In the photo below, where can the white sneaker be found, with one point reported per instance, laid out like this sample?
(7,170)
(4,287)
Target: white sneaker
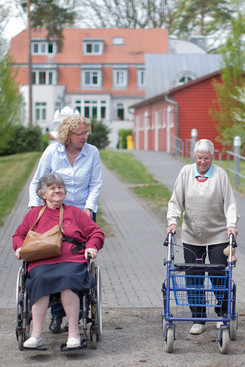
(218,324)
(197,329)
(33,343)
(73,342)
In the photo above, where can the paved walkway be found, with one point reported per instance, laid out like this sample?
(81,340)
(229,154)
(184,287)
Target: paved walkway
(131,261)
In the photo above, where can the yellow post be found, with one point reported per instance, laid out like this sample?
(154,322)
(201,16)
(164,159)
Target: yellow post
(130,144)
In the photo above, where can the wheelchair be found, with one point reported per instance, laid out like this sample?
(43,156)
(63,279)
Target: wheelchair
(91,311)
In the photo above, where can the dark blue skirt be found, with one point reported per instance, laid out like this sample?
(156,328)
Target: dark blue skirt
(46,280)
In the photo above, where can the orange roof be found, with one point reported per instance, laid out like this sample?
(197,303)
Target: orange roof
(137,42)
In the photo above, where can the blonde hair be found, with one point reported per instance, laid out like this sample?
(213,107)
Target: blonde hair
(69,125)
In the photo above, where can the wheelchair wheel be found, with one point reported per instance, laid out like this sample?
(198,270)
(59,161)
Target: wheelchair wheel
(23,310)
(224,340)
(96,307)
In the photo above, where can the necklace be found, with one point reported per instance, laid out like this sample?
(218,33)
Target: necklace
(72,156)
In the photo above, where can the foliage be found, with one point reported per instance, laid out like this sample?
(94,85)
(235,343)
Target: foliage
(14,172)
(50,15)
(45,139)
(123,133)
(232,78)
(203,17)
(99,136)
(182,18)
(124,13)
(10,100)
(23,139)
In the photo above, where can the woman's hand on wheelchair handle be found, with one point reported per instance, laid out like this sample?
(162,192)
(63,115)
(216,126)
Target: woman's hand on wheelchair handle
(17,253)
(93,253)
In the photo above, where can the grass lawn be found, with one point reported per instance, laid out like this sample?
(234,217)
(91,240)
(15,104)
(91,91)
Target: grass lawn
(14,173)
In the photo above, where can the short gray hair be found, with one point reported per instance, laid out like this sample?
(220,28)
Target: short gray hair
(48,180)
(204,145)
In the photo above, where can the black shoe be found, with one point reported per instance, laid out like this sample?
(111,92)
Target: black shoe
(55,323)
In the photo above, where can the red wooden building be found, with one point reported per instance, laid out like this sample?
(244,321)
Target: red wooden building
(165,121)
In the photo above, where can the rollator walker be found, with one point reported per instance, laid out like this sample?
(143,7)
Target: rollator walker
(198,285)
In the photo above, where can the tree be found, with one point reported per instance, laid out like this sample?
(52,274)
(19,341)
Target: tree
(224,111)
(51,15)
(99,136)
(181,17)
(128,13)
(10,100)
(203,17)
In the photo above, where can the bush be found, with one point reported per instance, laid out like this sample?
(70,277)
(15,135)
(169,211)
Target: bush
(99,136)
(45,139)
(23,139)
(123,133)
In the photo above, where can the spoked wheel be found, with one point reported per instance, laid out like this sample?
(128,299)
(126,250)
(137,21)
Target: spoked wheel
(233,328)
(224,340)
(169,339)
(23,310)
(96,307)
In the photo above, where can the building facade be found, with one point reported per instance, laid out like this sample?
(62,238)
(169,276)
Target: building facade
(165,122)
(99,72)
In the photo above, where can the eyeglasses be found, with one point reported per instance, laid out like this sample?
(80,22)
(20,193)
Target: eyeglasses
(82,134)
(206,159)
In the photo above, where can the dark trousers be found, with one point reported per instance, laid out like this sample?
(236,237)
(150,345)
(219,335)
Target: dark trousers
(57,309)
(198,254)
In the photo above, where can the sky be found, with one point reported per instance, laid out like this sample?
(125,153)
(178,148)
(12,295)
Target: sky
(15,22)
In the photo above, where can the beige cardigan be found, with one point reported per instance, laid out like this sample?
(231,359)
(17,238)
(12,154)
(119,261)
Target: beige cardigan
(209,207)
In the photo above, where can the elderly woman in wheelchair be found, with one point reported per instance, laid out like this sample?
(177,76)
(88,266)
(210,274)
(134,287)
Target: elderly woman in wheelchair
(66,273)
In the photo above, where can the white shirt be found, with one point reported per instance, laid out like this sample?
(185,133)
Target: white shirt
(83,180)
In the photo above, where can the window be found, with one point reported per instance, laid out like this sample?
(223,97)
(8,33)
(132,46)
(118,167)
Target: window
(120,111)
(43,77)
(92,108)
(91,78)
(183,77)
(120,78)
(93,47)
(40,111)
(141,78)
(43,48)
(118,40)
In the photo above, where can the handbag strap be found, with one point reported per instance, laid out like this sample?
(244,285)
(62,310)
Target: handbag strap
(42,211)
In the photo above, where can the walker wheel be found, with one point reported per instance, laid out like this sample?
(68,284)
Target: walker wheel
(233,328)
(224,340)
(169,339)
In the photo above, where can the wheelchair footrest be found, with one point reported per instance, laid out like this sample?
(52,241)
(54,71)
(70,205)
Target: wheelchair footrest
(63,347)
(42,348)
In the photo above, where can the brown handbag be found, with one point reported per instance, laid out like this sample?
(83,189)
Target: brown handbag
(37,246)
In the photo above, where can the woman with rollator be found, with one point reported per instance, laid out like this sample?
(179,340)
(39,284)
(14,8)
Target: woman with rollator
(204,192)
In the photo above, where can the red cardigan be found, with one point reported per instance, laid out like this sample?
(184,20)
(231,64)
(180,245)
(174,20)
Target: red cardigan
(75,223)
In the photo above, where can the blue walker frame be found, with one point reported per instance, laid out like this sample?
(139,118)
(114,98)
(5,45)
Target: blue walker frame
(209,284)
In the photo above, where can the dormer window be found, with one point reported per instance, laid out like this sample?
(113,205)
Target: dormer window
(183,77)
(43,48)
(93,46)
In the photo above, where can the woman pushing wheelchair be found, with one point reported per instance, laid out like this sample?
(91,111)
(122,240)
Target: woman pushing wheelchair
(66,273)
